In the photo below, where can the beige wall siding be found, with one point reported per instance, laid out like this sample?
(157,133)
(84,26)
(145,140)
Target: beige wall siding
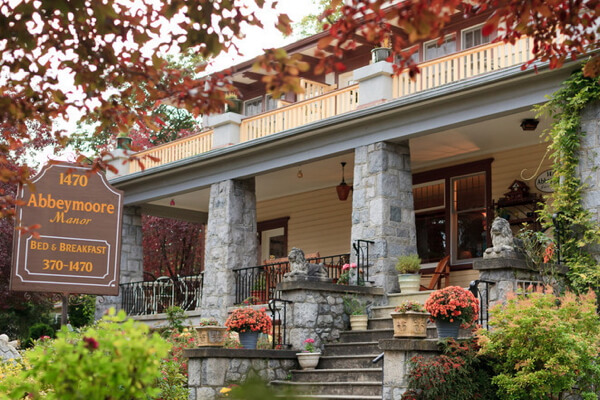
(318,220)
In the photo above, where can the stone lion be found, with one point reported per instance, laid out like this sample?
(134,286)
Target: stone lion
(502,240)
(300,268)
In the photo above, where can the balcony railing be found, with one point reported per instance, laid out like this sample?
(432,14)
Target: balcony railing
(146,298)
(322,102)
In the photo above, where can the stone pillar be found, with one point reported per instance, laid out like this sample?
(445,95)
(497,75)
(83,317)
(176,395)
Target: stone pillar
(230,243)
(383,209)
(589,159)
(375,83)
(132,257)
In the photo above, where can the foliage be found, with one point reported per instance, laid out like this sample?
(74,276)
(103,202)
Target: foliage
(173,381)
(460,373)
(37,331)
(353,305)
(115,359)
(453,303)
(175,316)
(408,264)
(410,305)
(577,227)
(247,319)
(82,310)
(171,247)
(208,322)
(543,345)
(309,346)
(312,24)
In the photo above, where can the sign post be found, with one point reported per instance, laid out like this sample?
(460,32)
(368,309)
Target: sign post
(77,247)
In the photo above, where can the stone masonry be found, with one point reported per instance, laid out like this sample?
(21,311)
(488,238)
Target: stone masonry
(383,209)
(230,243)
(132,258)
(589,160)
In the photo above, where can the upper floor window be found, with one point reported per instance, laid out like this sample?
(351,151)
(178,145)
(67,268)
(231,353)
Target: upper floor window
(433,49)
(474,37)
(253,106)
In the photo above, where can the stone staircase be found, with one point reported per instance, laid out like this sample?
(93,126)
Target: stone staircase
(345,369)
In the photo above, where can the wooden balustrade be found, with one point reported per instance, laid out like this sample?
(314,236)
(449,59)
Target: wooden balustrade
(174,151)
(313,89)
(463,65)
(300,113)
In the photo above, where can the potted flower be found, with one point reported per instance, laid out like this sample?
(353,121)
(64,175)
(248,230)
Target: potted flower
(408,267)
(309,357)
(233,104)
(350,275)
(410,320)
(356,310)
(249,323)
(210,333)
(450,308)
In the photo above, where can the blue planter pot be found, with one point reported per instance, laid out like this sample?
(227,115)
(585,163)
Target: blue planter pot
(248,340)
(447,329)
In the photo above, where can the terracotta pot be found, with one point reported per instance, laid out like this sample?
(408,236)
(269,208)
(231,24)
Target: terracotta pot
(211,336)
(308,360)
(358,322)
(410,324)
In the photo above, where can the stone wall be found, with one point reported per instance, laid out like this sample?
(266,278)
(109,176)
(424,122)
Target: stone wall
(132,257)
(396,367)
(209,370)
(231,242)
(383,209)
(589,160)
(317,309)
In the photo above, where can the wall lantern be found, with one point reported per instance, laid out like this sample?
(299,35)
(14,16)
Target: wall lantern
(529,124)
(343,189)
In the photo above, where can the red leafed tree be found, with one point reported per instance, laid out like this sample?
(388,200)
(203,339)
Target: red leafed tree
(172,247)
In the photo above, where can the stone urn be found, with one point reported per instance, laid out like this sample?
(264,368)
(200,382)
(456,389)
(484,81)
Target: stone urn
(308,360)
(211,336)
(410,324)
(359,322)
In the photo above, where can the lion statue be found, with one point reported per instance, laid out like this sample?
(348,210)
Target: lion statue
(300,268)
(502,240)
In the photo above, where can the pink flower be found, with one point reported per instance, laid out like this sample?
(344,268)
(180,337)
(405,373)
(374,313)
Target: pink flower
(353,265)
(345,267)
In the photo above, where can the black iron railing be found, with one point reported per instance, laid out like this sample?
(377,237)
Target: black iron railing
(145,298)
(361,251)
(279,312)
(481,290)
(257,284)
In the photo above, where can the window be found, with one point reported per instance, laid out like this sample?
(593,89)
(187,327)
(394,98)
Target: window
(272,236)
(474,37)
(451,212)
(434,50)
(253,107)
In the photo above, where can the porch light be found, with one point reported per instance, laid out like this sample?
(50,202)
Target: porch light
(343,189)
(529,124)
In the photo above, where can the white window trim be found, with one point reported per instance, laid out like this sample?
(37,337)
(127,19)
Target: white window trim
(425,44)
(253,99)
(470,29)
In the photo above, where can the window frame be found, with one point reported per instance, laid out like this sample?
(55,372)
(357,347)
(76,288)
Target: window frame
(429,42)
(472,29)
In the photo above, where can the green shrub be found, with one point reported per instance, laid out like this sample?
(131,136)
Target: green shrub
(175,317)
(458,374)
(545,345)
(115,359)
(37,331)
(81,310)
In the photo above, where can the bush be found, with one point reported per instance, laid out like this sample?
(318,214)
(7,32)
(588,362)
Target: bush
(458,374)
(37,331)
(545,345)
(82,310)
(116,359)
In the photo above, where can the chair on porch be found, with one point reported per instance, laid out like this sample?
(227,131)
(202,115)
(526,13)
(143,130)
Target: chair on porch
(442,269)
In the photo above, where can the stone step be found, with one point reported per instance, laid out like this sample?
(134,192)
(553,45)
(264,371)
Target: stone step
(348,361)
(351,348)
(370,335)
(336,397)
(354,389)
(338,375)
(382,311)
(395,299)
(381,323)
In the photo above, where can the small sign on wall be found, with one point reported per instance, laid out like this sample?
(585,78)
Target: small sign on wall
(542,182)
(77,247)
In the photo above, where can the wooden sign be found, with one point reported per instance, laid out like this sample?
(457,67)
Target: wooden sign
(77,249)
(542,182)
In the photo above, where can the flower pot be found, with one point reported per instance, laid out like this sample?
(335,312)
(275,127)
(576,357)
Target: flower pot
(380,54)
(409,283)
(410,324)
(211,336)
(308,360)
(248,340)
(447,329)
(358,322)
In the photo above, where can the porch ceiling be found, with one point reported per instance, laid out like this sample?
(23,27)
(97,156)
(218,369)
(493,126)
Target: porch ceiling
(476,140)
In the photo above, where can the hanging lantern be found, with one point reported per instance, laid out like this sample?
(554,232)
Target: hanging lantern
(343,189)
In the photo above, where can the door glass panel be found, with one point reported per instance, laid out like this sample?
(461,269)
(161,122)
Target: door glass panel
(471,235)
(431,236)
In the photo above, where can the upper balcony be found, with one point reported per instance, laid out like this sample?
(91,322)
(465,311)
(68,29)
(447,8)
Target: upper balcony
(320,101)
